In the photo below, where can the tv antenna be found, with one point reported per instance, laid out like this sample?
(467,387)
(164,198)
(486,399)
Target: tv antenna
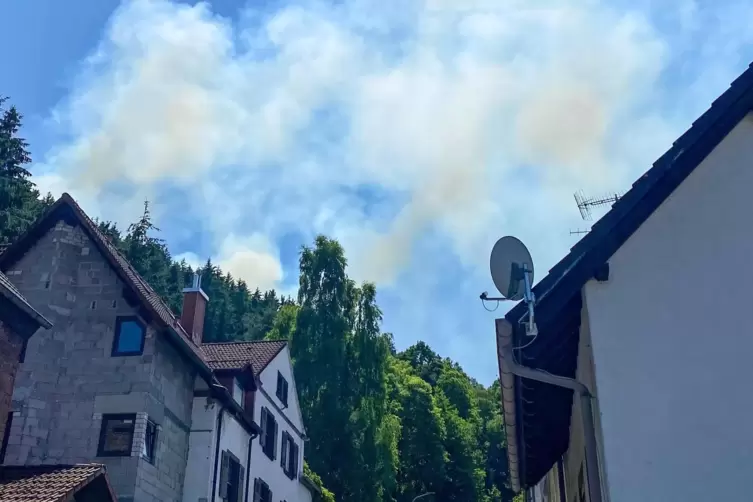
(512,272)
(579,232)
(586,203)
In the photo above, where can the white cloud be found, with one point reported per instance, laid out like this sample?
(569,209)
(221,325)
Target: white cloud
(473,120)
(252,259)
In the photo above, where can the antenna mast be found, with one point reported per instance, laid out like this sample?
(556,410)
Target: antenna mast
(586,203)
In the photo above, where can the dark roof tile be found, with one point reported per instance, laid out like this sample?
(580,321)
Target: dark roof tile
(51,483)
(238,355)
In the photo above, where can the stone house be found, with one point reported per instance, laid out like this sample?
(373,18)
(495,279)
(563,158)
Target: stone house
(58,483)
(113,380)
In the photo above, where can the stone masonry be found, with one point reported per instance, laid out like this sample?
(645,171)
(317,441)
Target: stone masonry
(10,349)
(69,379)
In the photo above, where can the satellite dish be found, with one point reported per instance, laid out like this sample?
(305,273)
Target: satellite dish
(509,263)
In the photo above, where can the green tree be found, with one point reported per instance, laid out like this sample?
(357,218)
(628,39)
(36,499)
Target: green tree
(19,200)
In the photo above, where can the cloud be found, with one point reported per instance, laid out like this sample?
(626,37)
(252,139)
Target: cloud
(412,130)
(252,259)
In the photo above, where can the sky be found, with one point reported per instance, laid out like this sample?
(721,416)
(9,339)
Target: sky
(416,132)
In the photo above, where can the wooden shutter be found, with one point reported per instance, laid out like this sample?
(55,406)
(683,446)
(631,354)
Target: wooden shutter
(284,452)
(224,471)
(274,440)
(263,425)
(241,483)
(294,463)
(257,490)
(285,392)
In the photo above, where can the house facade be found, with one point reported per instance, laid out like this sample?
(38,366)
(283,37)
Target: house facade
(18,321)
(115,379)
(268,467)
(636,386)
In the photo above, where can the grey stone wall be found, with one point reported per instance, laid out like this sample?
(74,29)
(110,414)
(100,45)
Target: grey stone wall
(69,379)
(11,344)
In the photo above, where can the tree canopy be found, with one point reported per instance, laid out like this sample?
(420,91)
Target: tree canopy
(384,426)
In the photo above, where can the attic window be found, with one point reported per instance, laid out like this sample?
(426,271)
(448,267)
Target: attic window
(282,389)
(130,333)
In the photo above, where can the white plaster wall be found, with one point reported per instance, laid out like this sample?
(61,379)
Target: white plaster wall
(201,444)
(303,494)
(283,488)
(672,340)
(268,377)
(234,438)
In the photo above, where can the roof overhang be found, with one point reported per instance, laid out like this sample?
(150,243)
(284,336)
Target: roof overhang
(537,414)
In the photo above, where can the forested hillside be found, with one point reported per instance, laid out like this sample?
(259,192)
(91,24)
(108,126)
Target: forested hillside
(383,425)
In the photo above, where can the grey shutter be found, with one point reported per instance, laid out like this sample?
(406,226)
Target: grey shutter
(284,452)
(241,483)
(274,441)
(257,490)
(268,498)
(263,425)
(225,467)
(294,470)
(285,392)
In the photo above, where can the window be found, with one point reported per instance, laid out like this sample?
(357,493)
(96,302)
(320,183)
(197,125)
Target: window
(289,456)
(262,493)
(268,436)
(116,435)
(237,392)
(22,355)
(129,337)
(6,437)
(150,442)
(232,475)
(282,389)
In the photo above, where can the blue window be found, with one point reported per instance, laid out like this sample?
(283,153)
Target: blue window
(129,336)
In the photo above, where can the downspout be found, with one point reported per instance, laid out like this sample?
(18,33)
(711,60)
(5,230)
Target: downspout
(504,331)
(217,451)
(248,464)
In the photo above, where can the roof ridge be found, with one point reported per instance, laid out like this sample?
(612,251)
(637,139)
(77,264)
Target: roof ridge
(116,251)
(238,342)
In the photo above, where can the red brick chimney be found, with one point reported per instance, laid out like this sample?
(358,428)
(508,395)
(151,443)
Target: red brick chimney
(194,307)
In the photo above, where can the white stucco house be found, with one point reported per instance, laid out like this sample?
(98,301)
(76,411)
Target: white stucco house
(227,460)
(637,386)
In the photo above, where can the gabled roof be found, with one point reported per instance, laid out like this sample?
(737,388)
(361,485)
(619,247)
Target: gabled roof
(54,483)
(544,412)
(10,293)
(238,355)
(67,209)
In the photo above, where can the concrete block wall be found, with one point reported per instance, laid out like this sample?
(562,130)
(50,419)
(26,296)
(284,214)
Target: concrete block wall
(11,345)
(69,378)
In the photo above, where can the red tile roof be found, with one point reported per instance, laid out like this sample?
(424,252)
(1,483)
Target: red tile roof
(50,483)
(237,355)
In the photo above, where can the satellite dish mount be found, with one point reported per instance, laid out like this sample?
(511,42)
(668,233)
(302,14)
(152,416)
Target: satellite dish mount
(512,272)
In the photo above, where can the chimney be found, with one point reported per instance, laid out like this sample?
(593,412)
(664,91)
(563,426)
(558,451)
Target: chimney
(194,307)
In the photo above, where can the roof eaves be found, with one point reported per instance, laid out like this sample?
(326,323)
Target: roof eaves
(9,291)
(509,408)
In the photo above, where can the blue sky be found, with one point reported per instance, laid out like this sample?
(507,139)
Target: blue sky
(417,132)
